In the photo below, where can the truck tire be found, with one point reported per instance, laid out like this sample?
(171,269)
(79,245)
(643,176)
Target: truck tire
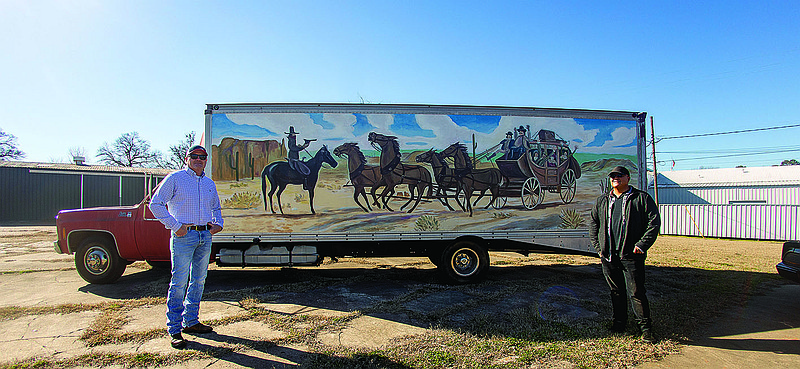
(465,262)
(98,262)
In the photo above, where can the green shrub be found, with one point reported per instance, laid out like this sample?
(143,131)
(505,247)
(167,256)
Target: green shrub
(571,219)
(426,223)
(243,200)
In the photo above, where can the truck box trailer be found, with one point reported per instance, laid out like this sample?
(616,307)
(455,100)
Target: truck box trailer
(302,182)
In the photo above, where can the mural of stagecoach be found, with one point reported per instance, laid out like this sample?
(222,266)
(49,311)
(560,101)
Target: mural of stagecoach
(544,163)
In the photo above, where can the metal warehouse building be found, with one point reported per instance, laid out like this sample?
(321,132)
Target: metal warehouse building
(752,203)
(33,193)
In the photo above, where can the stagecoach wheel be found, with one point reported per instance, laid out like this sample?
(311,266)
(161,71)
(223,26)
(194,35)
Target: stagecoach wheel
(568,186)
(532,194)
(465,261)
(98,262)
(499,202)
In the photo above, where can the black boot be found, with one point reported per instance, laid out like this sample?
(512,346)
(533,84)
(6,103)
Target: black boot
(647,336)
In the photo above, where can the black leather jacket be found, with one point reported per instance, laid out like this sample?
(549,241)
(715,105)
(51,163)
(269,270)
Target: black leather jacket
(642,224)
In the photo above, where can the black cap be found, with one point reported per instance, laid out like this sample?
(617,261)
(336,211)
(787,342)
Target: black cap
(620,170)
(196,147)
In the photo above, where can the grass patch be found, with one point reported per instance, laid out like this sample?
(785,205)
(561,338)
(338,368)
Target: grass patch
(132,360)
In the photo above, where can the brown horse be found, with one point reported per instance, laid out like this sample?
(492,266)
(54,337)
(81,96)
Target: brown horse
(394,172)
(361,174)
(474,179)
(446,178)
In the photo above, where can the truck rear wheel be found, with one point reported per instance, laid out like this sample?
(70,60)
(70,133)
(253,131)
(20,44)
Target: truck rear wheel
(98,262)
(465,262)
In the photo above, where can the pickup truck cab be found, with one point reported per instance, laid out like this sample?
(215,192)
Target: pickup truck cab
(105,240)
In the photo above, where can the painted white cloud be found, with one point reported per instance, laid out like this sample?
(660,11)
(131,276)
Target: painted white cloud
(445,131)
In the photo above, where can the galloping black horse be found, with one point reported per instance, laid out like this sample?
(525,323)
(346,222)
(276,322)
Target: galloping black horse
(280,174)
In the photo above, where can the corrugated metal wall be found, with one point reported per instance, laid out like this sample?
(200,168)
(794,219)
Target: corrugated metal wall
(760,222)
(35,196)
(771,195)
(26,197)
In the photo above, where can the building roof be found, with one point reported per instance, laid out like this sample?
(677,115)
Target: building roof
(87,169)
(787,175)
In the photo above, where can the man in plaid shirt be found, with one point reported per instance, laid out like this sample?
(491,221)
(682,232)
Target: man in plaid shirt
(187,203)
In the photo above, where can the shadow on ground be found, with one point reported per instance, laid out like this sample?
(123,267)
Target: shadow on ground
(684,300)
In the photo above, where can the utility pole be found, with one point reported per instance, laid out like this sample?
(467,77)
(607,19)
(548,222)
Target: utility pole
(655,171)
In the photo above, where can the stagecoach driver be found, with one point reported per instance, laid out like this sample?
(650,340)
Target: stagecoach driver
(187,203)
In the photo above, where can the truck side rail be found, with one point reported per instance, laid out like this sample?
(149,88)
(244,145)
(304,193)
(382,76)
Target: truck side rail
(565,241)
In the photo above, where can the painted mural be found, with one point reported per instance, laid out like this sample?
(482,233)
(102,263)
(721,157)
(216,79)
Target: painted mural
(376,173)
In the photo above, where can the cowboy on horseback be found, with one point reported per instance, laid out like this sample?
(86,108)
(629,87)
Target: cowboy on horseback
(294,155)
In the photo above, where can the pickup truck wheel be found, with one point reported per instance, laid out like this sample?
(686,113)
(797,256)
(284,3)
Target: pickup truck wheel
(465,262)
(98,262)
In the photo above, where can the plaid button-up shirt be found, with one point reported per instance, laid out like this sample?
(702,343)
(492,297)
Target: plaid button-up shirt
(186,198)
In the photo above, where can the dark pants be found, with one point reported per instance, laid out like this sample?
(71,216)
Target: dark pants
(625,277)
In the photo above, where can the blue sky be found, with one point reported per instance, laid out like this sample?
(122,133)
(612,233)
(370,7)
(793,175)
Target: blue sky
(80,73)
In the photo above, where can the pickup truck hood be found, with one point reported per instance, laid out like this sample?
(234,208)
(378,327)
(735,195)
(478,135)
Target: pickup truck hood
(111,213)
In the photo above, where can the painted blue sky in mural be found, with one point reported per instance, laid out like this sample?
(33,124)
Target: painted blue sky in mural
(224,127)
(406,125)
(605,129)
(415,131)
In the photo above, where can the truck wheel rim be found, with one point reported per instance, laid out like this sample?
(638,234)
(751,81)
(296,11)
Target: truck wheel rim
(465,262)
(96,260)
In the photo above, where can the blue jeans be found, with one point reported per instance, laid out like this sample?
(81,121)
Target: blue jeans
(189,256)
(625,277)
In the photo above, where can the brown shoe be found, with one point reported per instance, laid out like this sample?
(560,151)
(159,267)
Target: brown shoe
(198,328)
(177,341)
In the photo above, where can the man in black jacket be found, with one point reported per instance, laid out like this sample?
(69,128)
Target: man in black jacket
(625,223)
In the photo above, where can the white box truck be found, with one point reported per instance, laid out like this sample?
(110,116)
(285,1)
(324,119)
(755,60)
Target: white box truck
(301,182)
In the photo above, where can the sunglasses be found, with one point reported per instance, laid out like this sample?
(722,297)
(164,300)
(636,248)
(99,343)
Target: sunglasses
(616,175)
(198,156)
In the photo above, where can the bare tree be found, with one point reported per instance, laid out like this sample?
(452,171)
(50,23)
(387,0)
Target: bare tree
(129,150)
(176,157)
(8,147)
(77,151)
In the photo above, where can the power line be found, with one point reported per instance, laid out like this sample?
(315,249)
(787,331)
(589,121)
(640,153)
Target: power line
(741,150)
(729,132)
(726,156)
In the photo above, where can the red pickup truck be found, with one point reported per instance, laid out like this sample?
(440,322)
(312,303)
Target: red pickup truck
(105,240)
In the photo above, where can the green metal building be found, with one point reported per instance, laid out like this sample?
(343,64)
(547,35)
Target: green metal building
(33,193)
